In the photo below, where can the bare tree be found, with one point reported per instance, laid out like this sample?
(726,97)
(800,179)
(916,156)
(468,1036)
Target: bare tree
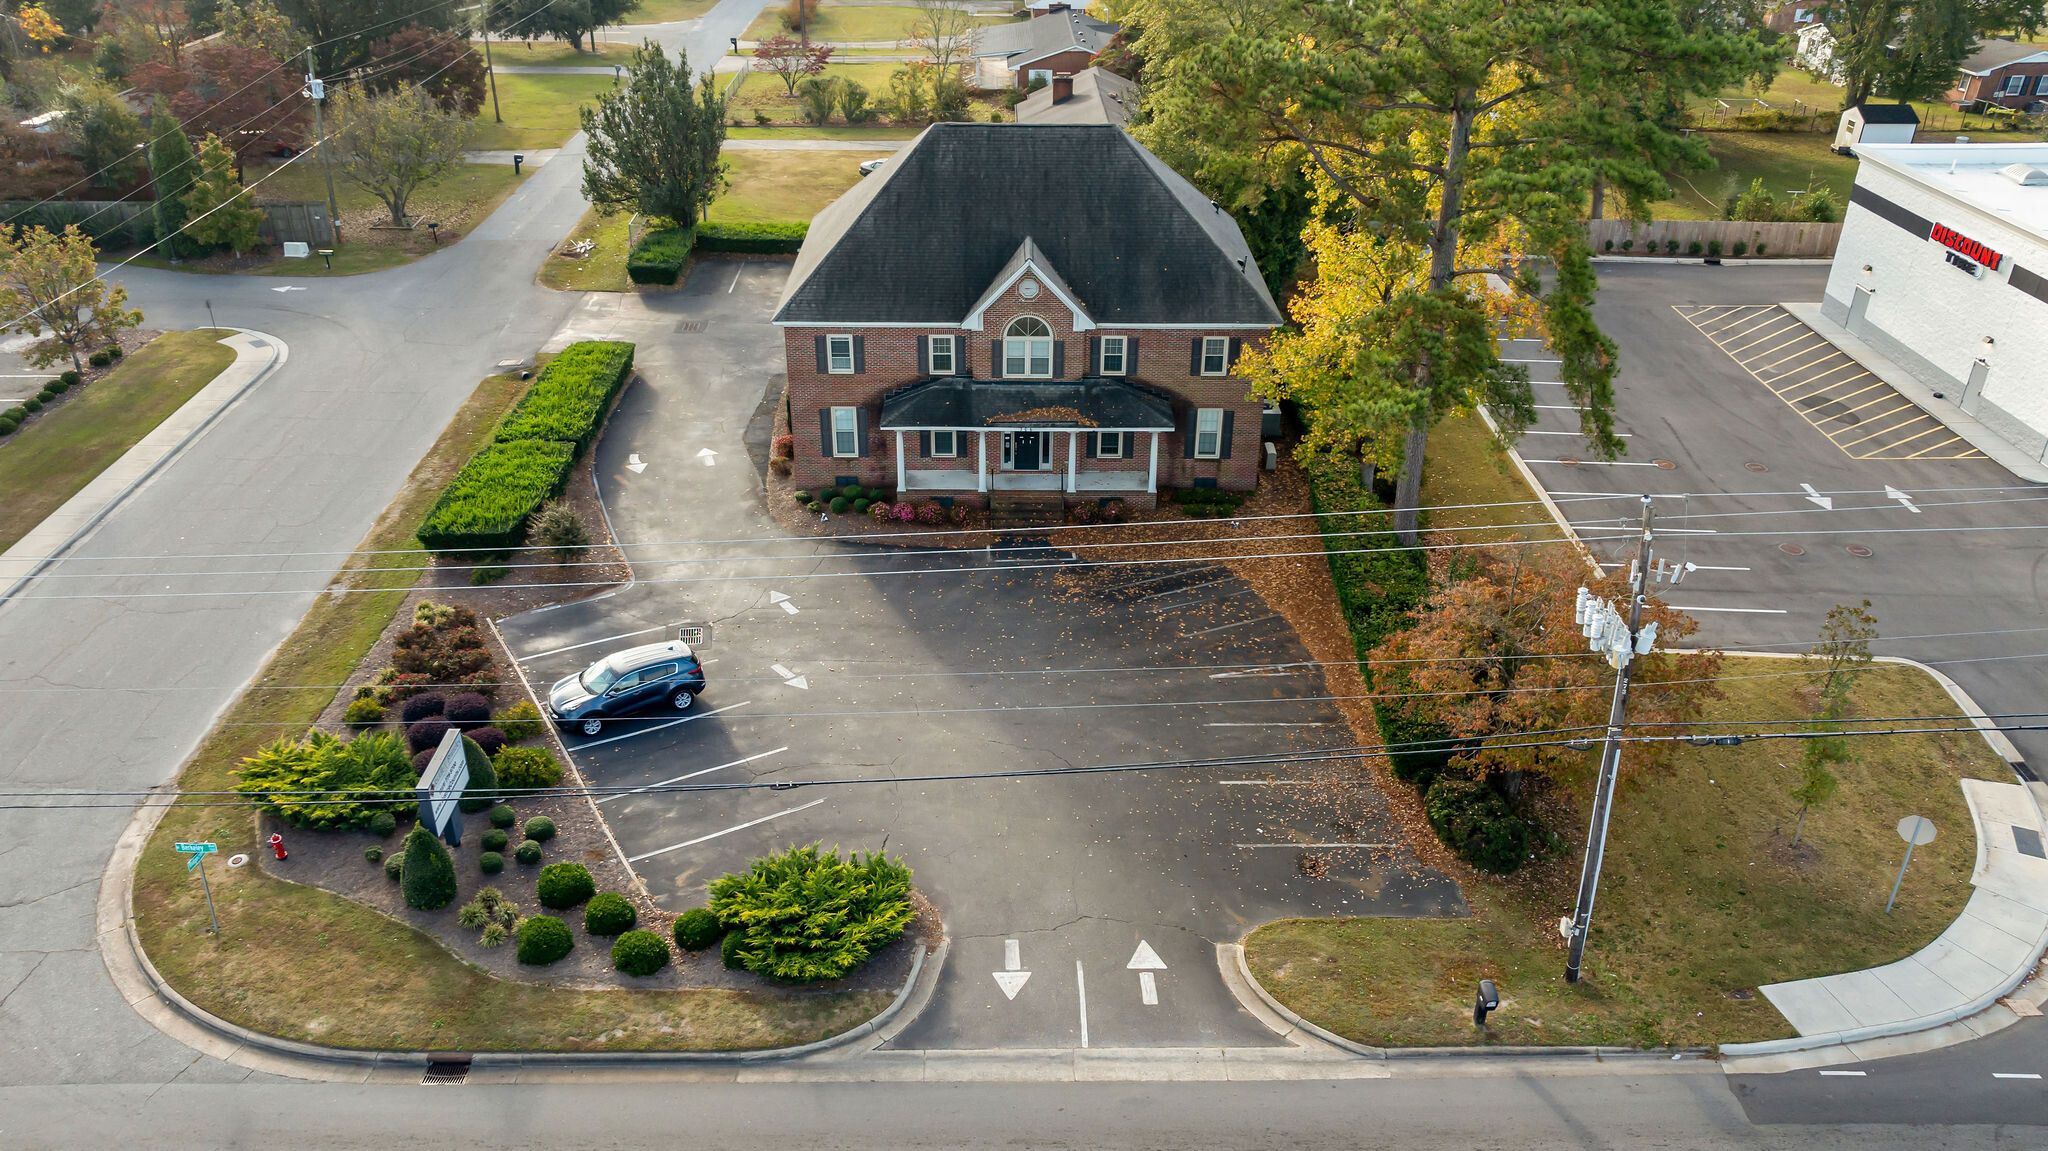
(943,32)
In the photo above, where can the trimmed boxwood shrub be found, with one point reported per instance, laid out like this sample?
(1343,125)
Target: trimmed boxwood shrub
(609,914)
(729,950)
(660,256)
(528,853)
(99,359)
(520,721)
(564,885)
(373,853)
(422,706)
(32,405)
(1475,822)
(543,939)
(839,505)
(768,238)
(466,709)
(569,400)
(486,506)
(804,915)
(540,829)
(520,768)
(697,929)
(69,377)
(490,862)
(426,734)
(502,816)
(428,878)
(114,350)
(494,840)
(640,953)
(383,823)
(394,867)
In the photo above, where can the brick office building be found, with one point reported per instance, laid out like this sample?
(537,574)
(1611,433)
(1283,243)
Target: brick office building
(1023,309)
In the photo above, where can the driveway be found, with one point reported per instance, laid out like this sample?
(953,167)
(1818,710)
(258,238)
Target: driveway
(861,672)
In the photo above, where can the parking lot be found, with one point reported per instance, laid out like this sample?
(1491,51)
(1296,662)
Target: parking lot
(842,679)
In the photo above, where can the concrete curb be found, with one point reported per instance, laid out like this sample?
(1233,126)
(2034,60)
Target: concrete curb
(255,346)
(1238,977)
(1726,262)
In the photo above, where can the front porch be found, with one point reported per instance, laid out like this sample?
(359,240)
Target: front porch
(1091,437)
(1061,470)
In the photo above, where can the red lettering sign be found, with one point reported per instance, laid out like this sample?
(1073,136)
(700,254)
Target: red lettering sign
(1950,238)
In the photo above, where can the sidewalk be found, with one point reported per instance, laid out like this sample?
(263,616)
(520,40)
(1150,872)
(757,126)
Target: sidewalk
(255,355)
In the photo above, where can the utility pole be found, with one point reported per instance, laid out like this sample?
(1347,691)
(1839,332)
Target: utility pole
(488,69)
(316,89)
(1622,641)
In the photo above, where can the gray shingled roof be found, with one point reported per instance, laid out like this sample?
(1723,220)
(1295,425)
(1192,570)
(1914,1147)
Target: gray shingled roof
(1991,55)
(1100,97)
(921,240)
(1044,35)
(1094,402)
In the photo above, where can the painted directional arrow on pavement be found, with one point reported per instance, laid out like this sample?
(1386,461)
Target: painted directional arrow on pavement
(635,464)
(709,457)
(790,678)
(1815,497)
(782,601)
(1145,961)
(1011,979)
(289,288)
(1905,501)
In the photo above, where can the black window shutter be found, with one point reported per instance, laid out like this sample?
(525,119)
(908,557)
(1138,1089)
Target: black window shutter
(1095,355)
(995,360)
(1059,359)
(821,355)
(1130,445)
(924,355)
(1195,357)
(1130,355)
(860,354)
(825,426)
(1187,431)
(860,420)
(1223,449)
(1094,442)
(924,445)
(1236,346)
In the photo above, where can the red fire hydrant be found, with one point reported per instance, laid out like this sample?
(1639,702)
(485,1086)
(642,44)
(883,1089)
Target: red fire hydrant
(277,845)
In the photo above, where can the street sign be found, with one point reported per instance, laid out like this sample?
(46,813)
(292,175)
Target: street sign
(441,786)
(198,853)
(197,848)
(1915,830)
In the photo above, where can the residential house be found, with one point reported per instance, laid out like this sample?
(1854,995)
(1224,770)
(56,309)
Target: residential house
(2005,74)
(1014,55)
(1090,96)
(1040,310)
(1816,51)
(1787,18)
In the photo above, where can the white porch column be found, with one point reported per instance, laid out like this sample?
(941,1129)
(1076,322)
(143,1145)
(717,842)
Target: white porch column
(1152,475)
(981,461)
(1073,465)
(899,464)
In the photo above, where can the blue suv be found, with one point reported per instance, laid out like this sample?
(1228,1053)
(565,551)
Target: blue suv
(639,677)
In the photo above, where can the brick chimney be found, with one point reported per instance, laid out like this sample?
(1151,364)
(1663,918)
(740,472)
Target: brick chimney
(1062,87)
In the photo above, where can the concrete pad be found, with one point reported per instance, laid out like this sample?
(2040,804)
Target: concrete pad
(1868,1000)
(1810,1006)
(1018,1066)
(1963,970)
(1920,989)
(2004,917)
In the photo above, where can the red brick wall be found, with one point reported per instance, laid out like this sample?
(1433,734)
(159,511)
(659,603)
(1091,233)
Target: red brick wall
(889,357)
(1985,88)
(1073,61)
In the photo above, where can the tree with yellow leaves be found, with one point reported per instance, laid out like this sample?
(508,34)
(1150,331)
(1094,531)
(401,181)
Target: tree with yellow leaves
(50,289)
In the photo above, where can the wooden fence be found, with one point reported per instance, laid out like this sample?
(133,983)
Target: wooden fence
(1789,238)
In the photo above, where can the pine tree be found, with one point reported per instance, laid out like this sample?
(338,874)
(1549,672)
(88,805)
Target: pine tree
(176,167)
(220,211)
(654,149)
(428,877)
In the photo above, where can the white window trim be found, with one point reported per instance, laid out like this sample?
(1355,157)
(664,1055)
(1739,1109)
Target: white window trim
(2041,89)
(1222,357)
(1103,453)
(954,453)
(1214,418)
(952,344)
(2013,86)
(1011,356)
(1123,355)
(853,430)
(831,358)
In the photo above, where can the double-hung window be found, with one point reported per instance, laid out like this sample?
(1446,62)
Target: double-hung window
(1109,445)
(1215,356)
(845,432)
(839,355)
(1027,349)
(942,355)
(1113,349)
(2014,85)
(1208,433)
(945,444)
(2041,88)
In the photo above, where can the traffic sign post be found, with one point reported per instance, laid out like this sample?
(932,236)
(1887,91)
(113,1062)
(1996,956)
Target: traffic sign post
(197,862)
(1915,830)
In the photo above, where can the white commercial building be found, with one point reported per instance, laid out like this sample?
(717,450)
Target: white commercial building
(1943,267)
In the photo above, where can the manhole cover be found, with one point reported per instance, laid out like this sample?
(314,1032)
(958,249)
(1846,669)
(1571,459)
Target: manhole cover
(1859,551)
(690,326)
(1823,410)
(1667,465)
(1739,993)
(1755,466)
(1568,461)
(1792,549)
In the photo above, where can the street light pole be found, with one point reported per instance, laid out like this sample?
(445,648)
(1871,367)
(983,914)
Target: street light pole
(1610,757)
(488,69)
(317,90)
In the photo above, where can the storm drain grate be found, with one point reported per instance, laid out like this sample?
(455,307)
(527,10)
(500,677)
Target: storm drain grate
(446,1069)
(690,326)
(2028,841)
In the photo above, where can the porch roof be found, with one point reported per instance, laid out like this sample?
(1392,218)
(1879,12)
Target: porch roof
(1092,402)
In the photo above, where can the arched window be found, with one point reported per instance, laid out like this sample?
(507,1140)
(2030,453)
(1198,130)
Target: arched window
(1027,349)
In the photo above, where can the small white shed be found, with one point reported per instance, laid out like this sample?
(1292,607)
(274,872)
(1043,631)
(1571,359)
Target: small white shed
(1876,124)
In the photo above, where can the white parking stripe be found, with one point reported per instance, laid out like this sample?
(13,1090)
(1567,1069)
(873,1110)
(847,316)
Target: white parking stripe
(1081,985)
(657,727)
(1852,1074)
(1252,845)
(2015,1075)
(594,643)
(693,775)
(1302,723)
(1742,610)
(727,831)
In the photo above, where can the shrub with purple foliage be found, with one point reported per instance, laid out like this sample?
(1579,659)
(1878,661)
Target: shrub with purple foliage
(426,734)
(421,706)
(420,758)
(489,738)
(466,710)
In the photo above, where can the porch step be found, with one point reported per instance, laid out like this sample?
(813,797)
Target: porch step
(1026,509)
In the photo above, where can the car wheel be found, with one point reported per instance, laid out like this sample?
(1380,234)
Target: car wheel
(591,726)
(684,698)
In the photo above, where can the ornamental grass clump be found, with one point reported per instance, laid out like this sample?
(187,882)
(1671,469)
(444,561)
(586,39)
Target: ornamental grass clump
(804,915)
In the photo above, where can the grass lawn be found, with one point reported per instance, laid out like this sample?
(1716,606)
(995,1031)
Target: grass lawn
(1462,467)
(837,22)
(826,132)
(786,185)
(669,11)
(1703,897)
(307,964)
(458,201)
(45,463)
(553,54)
(539,110)
(604,269)
(1785,160)
(765,90)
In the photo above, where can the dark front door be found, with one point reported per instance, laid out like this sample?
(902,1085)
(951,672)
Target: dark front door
(1025,456)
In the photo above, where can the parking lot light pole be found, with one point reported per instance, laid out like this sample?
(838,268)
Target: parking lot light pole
(1620,650)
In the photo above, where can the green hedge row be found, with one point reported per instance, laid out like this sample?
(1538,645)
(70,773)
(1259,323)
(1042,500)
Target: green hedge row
(773,239)
(486,506)
(660,256)
(570,398)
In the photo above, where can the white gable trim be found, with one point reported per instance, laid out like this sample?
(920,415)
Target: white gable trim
(1083,322)
(2036,58)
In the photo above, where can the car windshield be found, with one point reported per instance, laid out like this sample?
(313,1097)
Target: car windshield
(598,676)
